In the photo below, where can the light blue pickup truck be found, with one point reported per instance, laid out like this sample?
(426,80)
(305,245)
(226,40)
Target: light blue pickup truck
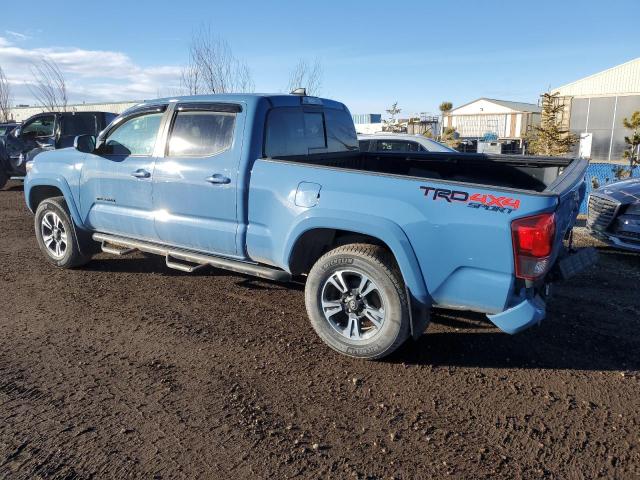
(275,186)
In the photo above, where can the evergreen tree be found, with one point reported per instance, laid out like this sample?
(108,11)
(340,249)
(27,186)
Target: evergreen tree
(549,138)
(632,153)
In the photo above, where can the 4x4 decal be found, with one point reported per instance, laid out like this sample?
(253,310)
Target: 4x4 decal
(484,201)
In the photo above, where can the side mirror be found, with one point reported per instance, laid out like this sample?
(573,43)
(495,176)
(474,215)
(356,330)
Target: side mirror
(16,132)
(85,143)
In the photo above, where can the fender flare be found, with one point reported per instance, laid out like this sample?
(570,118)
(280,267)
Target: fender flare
(61,184)
(381,228)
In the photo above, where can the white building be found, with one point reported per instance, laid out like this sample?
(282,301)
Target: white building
(494,120)
(596,106)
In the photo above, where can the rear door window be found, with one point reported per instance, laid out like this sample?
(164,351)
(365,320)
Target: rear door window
(74,125)
(398,146)
(201,134)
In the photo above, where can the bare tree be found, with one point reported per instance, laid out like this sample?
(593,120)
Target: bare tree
(49,85)
(5,98)
(190,79)
(308,76)
(213,68)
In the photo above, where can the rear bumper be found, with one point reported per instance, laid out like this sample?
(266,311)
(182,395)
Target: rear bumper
(531,309)
(525,314)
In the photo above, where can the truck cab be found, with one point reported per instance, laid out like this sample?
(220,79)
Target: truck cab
(46,131)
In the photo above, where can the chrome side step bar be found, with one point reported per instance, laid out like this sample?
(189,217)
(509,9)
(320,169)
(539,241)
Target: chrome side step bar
(174,257)
(183,267)
(106,248)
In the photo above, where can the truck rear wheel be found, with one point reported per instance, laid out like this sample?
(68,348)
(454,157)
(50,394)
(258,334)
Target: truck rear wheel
(56,234)
(357,302)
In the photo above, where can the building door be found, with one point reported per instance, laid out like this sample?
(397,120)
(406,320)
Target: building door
(585,145)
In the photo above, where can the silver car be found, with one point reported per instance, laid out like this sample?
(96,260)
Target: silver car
(400,142)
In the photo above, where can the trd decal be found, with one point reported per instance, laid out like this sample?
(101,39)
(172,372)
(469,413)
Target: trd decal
(483,201)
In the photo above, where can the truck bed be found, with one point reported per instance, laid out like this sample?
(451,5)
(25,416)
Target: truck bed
(520,172)
(389,196)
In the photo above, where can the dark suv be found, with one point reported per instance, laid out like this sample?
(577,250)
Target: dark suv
(46,131)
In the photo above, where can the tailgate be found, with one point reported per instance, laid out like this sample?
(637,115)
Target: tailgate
(570,187)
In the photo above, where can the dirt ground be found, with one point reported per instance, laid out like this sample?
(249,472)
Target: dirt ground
(126,369)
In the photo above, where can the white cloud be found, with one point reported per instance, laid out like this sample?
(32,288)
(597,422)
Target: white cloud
(16,35)
(92,75)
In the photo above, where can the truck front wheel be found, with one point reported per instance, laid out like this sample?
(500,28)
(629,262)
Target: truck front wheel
(357,302)
(56,234)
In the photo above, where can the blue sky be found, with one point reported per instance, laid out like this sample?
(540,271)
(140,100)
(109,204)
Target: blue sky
(373,53)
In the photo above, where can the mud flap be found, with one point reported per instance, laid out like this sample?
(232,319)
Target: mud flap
(576,262)
(86,244)
(420,315)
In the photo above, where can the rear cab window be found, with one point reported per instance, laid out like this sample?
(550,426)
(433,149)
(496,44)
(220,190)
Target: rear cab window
(301,131)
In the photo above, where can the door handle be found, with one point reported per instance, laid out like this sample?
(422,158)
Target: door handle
(141,173)
(218,178)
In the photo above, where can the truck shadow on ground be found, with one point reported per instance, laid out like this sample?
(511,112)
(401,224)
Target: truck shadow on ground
(139,263)
(559,344)
(593,334)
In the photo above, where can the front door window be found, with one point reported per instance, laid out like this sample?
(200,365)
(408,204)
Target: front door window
(135,137)
(40,127)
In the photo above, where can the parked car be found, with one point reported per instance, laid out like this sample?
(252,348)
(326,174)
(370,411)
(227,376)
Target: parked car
(614,214)
(400,143)
(7,128)
(275,186)
(45,131)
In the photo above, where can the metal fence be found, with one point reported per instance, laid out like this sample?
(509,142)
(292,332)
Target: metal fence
(604,173)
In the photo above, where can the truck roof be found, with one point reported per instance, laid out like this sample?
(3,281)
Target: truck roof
(276,99)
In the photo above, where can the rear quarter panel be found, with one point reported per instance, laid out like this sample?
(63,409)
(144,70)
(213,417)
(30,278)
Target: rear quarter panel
(450,254)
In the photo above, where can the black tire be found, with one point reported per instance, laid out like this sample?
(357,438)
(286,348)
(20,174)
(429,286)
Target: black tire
(4,178)
(379,266)
(72,256)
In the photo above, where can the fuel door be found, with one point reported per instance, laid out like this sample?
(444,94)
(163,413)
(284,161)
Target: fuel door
(308,194)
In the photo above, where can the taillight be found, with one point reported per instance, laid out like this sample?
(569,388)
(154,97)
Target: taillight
(532,244)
